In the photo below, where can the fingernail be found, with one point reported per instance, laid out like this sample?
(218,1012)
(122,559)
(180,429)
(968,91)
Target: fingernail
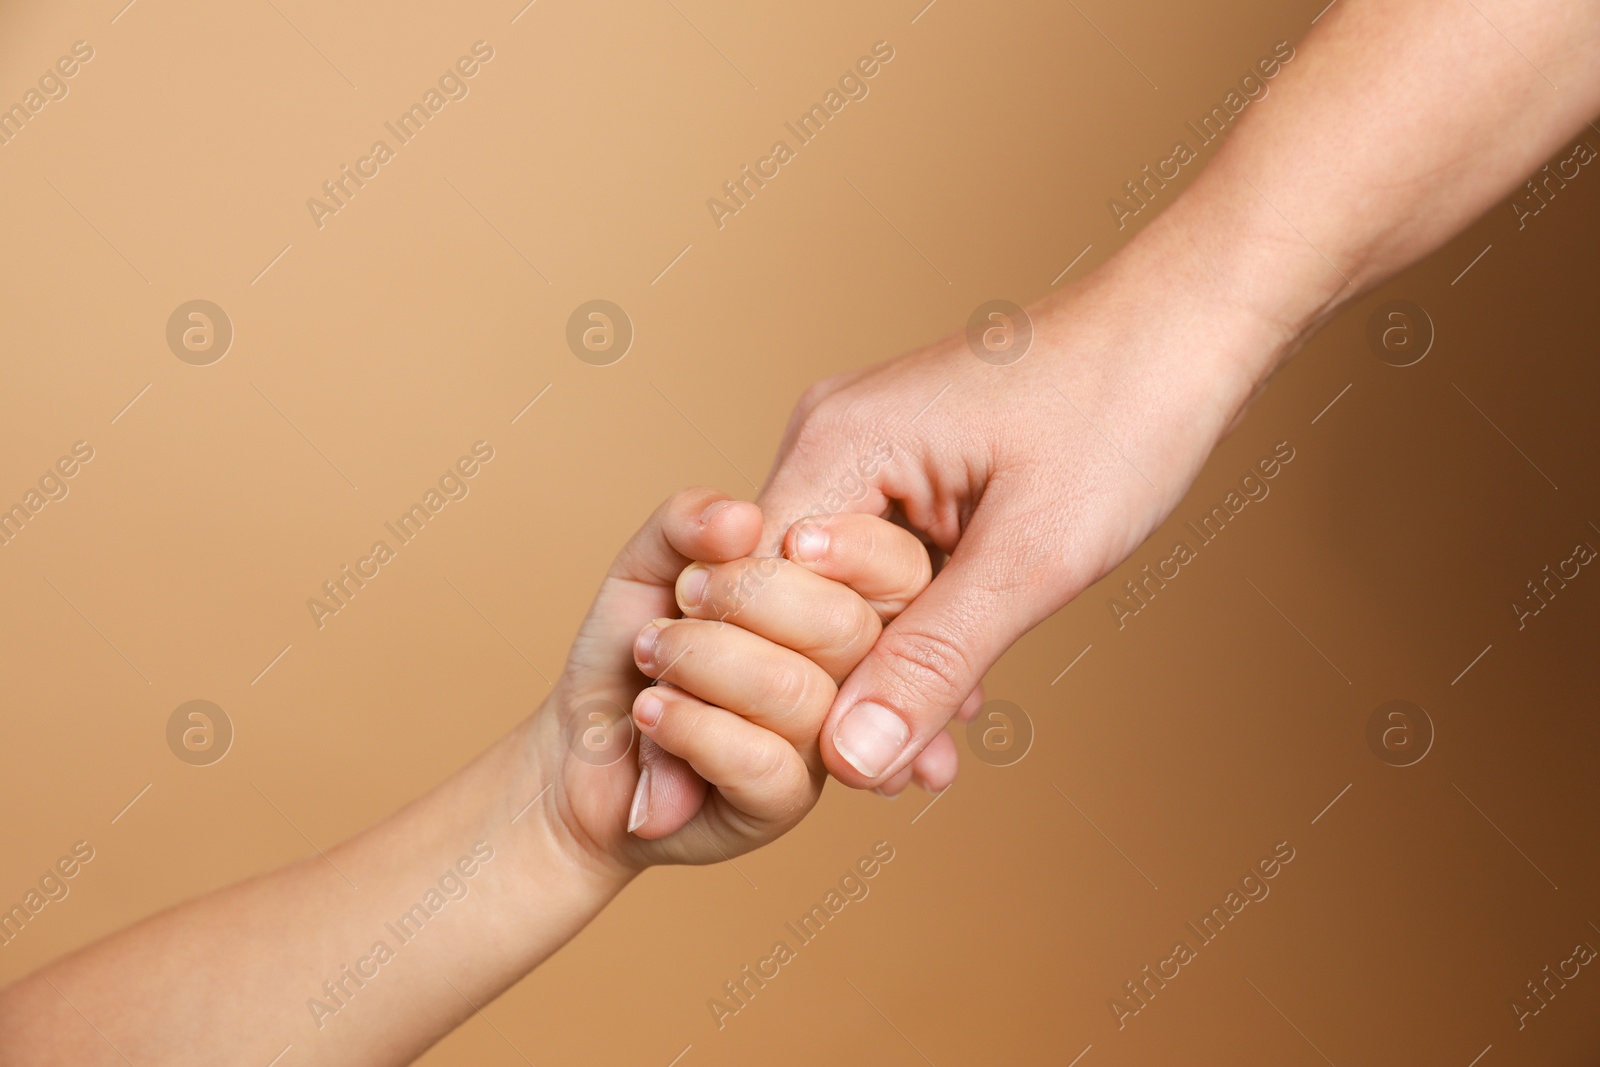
(644,646)
(692,584)
(810,543)
(640,809)
(886,796)
(714,508)
(648,709)
(870,737)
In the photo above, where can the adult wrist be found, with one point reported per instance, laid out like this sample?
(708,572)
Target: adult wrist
(1178,331)
(1248,277)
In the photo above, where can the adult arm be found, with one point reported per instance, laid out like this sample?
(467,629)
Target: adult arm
(1397,123)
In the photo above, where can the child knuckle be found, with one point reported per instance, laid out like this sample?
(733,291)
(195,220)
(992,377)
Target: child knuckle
(787,691)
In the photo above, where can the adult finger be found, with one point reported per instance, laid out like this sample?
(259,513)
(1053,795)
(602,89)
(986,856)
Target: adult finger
(970,707)
(934,768)
(813,480)
(895,784)
(929,659)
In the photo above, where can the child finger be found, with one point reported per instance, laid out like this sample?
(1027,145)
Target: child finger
(668,795)
(755,770)
(691,524)
(884,563)
(788,605)
(730,667)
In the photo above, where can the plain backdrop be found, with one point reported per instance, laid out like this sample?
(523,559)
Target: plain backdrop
(371,351)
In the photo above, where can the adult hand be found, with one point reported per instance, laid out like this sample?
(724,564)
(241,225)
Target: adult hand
(1040,476)
(1037,477)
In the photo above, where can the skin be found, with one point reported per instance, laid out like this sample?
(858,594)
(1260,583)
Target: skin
(226,978)
(1396,124)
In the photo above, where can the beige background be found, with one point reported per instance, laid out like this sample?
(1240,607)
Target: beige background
(416,321)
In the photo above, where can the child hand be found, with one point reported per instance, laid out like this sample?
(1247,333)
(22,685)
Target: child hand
(742,703)
(880,562)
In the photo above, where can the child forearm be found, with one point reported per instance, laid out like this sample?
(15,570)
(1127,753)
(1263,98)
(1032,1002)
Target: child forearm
(367,955)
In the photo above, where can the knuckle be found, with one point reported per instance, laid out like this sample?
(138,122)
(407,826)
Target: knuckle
(921,571)
(853,542)
(913,571)
(813,395)
(691,501)
(858,628)
(821,421)
(673,644)
(786,691)
(731,588)
(763,767)
(925,662)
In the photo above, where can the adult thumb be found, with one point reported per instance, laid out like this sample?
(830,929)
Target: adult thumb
(928,660)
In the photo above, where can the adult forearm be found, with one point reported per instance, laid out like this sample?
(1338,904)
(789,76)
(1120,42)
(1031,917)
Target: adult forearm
(1397,123)
(367,955)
